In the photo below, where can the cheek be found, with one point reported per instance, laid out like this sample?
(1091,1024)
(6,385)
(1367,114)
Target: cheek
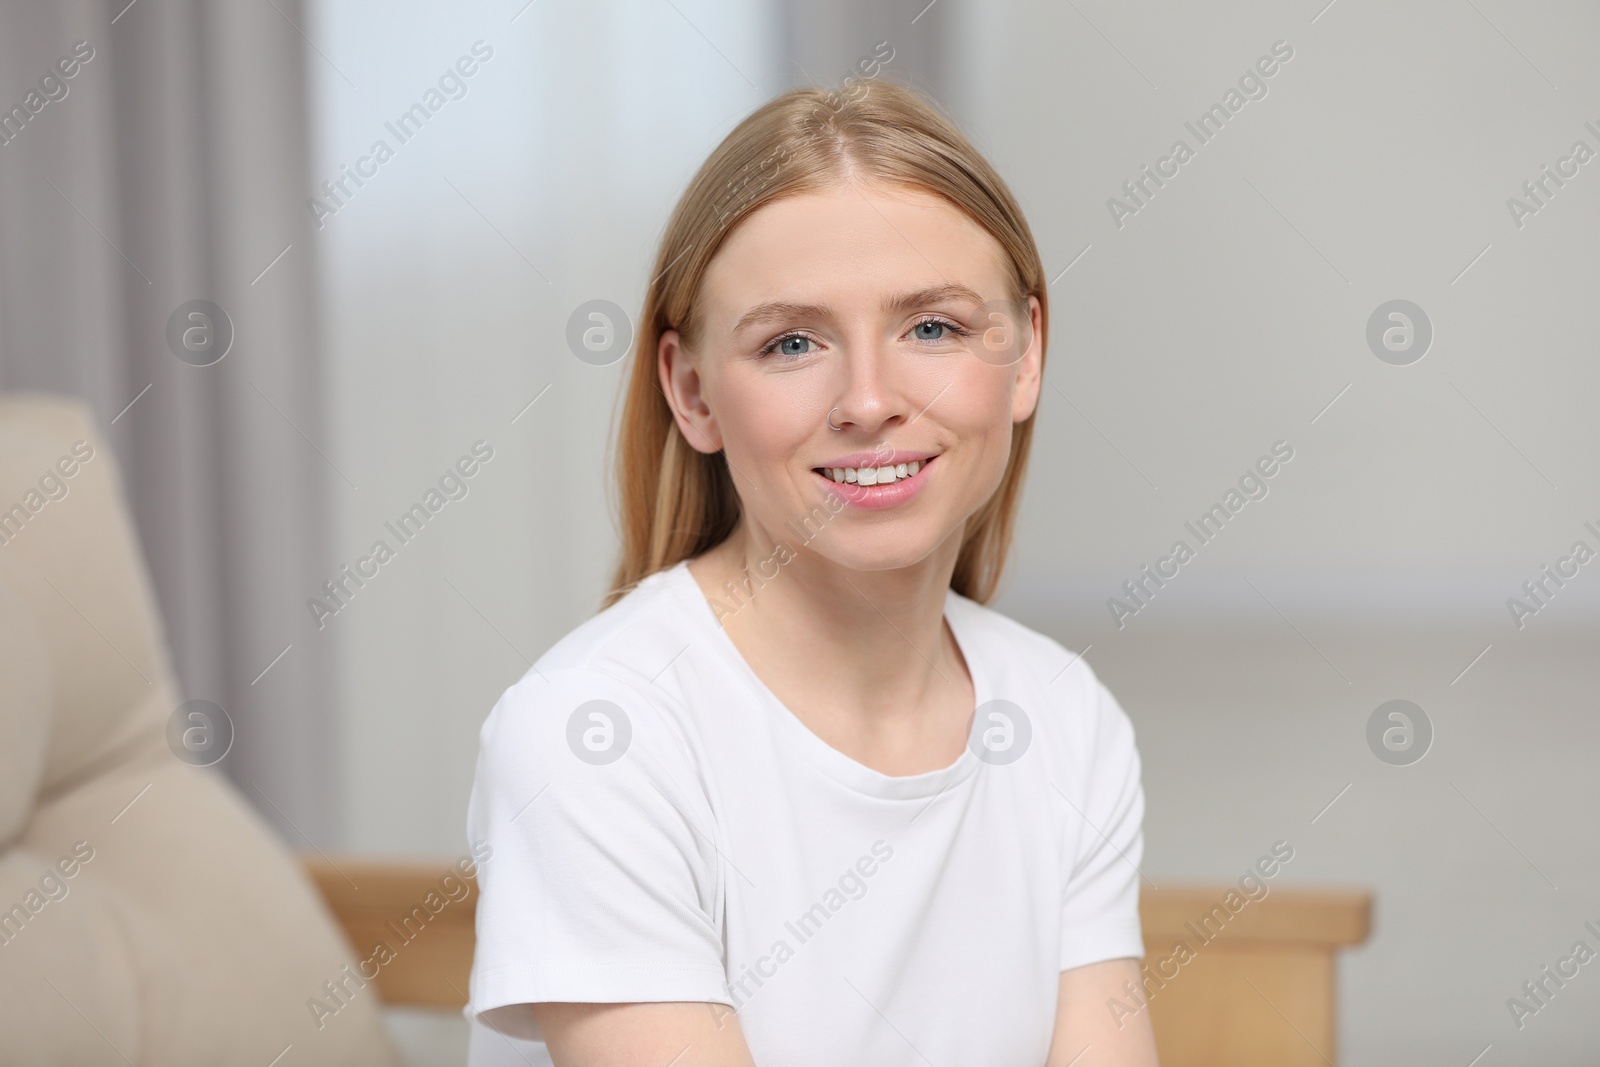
(982,419)
(982,408)
(764,421)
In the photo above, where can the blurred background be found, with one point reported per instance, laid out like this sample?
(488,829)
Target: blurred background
(380,325)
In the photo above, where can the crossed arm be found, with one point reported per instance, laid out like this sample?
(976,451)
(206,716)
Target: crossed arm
(699,1035)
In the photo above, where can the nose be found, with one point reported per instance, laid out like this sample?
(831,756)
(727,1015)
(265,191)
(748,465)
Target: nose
(870,396)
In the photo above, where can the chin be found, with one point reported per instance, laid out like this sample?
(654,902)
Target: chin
(879,551)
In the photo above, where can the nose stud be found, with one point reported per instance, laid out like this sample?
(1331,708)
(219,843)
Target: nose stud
(831,426)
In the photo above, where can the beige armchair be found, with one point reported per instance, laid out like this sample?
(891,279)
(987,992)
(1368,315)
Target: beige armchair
(147,914)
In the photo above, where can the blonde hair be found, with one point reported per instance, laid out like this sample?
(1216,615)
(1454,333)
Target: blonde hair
(674,502)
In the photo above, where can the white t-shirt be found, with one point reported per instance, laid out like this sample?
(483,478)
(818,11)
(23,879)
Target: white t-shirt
(664,829)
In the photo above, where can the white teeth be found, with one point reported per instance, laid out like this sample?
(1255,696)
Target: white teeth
(874,475)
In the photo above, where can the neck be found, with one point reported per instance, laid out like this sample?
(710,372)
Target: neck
(849,639)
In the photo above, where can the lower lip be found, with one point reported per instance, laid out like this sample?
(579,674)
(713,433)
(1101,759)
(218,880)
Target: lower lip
(878,497)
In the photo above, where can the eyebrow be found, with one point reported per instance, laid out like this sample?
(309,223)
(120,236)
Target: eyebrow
(784,311)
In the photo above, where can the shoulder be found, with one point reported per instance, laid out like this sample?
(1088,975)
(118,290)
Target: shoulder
(1055,686)
(631,640)
(598,677)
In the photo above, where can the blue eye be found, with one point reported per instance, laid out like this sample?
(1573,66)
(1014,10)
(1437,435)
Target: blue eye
(789,346)
(792,346)
(936,330)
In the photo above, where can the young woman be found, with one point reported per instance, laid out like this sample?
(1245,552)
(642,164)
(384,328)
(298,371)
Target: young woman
(795,796)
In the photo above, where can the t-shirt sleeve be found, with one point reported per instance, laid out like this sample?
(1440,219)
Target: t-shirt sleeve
(1105,813)
(601,886)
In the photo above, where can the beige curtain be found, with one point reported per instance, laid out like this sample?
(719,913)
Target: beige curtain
(170,166)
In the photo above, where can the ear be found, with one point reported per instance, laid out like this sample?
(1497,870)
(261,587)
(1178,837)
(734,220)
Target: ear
(1030,368)
(684,389)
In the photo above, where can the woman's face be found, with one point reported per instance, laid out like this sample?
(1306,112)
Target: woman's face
(886,309)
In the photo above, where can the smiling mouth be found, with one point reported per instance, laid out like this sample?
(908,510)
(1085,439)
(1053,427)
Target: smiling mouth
(873,476)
